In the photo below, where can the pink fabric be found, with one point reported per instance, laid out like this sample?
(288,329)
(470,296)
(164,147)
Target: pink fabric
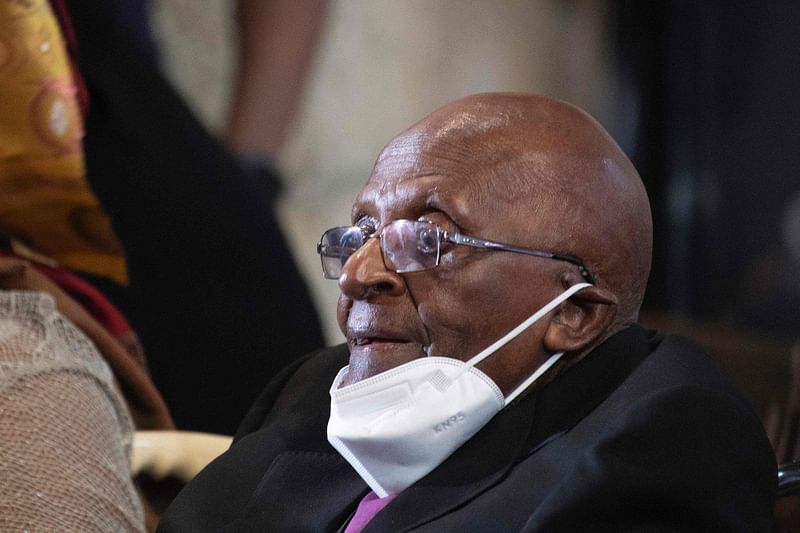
(368,508)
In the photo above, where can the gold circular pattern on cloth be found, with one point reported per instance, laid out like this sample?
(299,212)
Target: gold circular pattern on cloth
(29,44)
(14,9)
(13,56)
(55,116)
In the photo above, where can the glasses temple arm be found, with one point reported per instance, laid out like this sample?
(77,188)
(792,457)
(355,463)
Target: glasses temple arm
(457,238)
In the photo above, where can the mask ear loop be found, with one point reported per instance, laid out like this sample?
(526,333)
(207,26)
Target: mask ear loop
(533,377)
(508,337)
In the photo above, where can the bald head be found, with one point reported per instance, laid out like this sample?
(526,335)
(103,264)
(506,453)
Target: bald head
(529,174)
(545,160)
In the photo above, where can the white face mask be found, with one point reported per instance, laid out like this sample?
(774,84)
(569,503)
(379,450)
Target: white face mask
(397,426)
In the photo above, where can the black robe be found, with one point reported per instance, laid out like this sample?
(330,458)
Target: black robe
(643,434)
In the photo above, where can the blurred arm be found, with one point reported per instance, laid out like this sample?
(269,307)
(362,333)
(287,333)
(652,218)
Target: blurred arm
(276,41)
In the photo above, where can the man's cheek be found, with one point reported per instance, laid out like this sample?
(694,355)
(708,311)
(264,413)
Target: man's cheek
(445,318)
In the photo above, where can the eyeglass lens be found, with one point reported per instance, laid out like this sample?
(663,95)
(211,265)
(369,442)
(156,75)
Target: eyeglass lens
(408,246)
(336,247)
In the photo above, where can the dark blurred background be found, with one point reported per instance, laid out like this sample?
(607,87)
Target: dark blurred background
(711,94)
(712,89)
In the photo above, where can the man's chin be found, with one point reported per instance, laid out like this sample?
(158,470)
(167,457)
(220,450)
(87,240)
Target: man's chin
(368,360)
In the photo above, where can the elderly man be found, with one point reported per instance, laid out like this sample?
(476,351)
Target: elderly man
(494,377)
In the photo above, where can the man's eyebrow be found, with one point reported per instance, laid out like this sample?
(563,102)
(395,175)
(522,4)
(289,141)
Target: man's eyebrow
(361,208)
(446,205)
(361,216)
(452,203)
(356,215)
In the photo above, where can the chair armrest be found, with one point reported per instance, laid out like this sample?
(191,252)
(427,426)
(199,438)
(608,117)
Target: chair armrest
(180,454)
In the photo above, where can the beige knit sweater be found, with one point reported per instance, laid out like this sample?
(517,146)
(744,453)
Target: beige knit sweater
(65,432)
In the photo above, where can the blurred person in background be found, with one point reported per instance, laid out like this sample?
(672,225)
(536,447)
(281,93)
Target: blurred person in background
(73,376)
(75,381)
(203,247)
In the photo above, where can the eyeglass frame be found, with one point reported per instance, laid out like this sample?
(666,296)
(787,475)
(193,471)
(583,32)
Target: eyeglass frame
(457,239)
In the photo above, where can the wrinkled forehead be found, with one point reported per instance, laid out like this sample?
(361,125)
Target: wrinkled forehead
(418,170)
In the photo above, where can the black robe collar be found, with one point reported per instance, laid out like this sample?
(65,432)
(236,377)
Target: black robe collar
(522,428)
(310,487)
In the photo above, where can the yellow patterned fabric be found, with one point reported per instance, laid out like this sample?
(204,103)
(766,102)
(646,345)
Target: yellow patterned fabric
(45,200)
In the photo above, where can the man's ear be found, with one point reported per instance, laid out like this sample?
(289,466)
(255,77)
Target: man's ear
(581,320)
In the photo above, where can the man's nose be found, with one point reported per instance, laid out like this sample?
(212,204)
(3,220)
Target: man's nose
(365,275)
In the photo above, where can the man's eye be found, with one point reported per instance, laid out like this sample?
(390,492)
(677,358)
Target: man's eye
(428,240)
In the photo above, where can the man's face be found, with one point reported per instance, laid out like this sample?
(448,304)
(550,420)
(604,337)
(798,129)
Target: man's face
(474,296)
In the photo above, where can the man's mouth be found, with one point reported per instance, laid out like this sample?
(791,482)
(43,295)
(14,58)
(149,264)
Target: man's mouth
(364,341)
(373,352)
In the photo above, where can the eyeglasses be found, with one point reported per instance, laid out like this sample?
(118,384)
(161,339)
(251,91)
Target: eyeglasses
(412,246)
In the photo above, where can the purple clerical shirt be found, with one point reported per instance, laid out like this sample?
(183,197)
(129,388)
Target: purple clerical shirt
(369,507)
